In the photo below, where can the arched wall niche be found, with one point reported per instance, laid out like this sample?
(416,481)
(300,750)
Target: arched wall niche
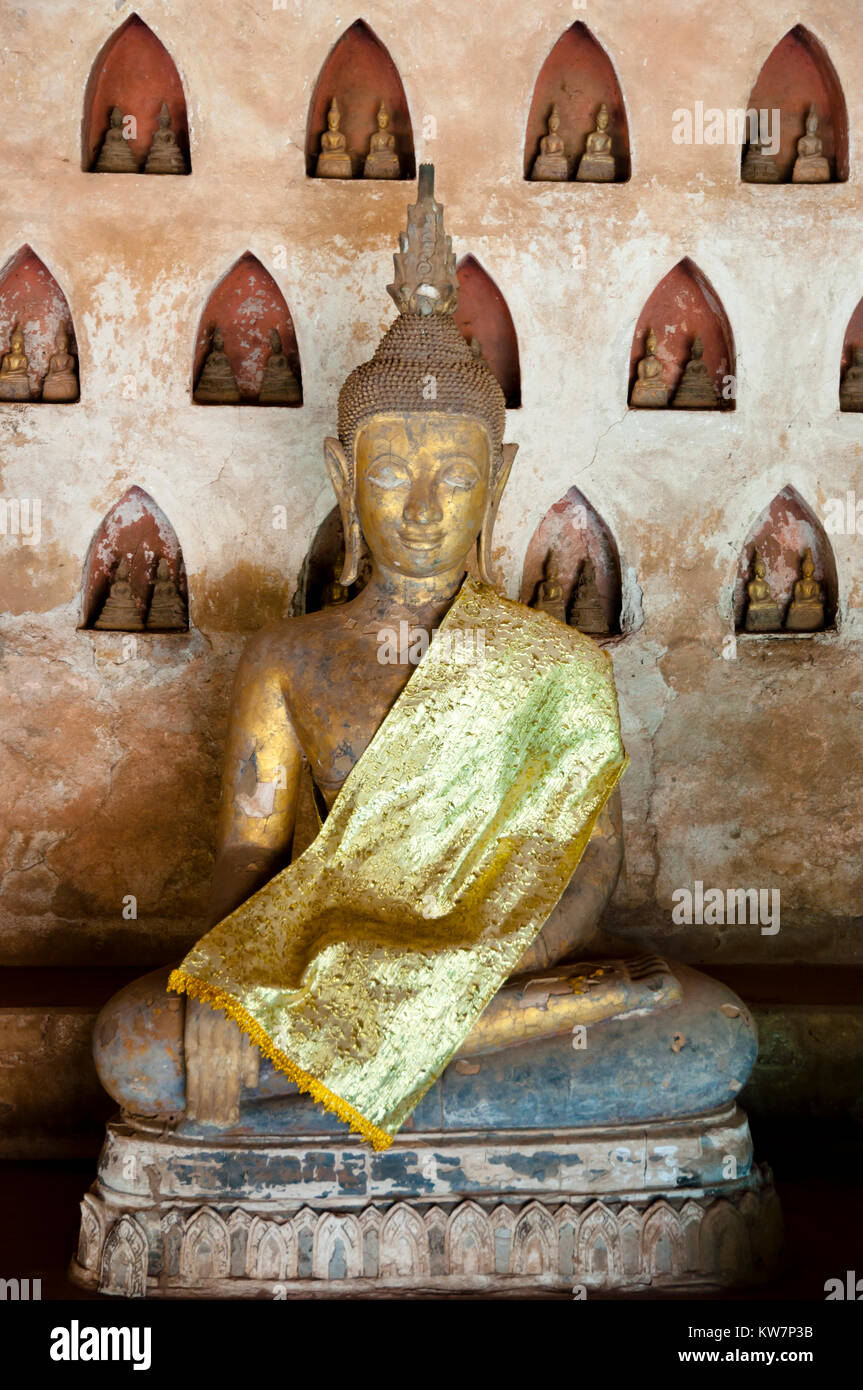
(574,531)
(247,305)
(360,73)
(137,530)
(685,305)
(323,566)
(578,76)
(781,535)
(134,71)
(797,72)
(31,298)
(483,313)
(853,339)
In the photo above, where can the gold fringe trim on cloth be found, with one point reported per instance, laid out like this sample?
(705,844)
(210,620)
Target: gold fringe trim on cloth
(181,983)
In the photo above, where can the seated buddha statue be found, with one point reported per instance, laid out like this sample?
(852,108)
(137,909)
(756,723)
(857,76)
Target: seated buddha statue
(586,611)
(549,591)
(551,164)
(167,612)
(279,386)
(116,155)
(217,384)
(165,155)
(851,390)
(810,166)
(759,166)
(806,610)
(120,611)
(15,370)
(649,389)
(421,963)
(61,379)
(597,163)
(382,161)
(763,613)
(334,162)
(696,390)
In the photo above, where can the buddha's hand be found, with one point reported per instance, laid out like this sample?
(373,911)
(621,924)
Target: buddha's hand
(220,1060)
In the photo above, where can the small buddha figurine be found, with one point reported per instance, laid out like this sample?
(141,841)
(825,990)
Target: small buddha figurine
(382,161)
(586,611)
(810,166)
(696,390)
(551,164)
(217,384)
(806,613)
(334,162)
(115,156)
(597,163)
(649,390)
(61,379)
(763,613)
(120,612)
(279,386)
(549,591)
(14,370)
(336,593)
(851,390)
(168,611)
(165,156)
(759,167)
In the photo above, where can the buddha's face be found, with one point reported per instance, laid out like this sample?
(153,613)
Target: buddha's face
(383,120)
(18,342)
(333,120)
(554,123)
(602,121)
(421,480)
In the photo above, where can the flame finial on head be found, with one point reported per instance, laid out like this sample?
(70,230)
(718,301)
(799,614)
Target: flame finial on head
(425,279)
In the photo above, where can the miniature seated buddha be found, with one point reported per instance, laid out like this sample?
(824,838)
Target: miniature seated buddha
(334,162)
(165,155)
(649,390)
(696,390)
(763,613)
(759,166)
(810,166)
(168,612)
(279,386)
(851,390)
(597,163)
(15,370)
(120,611)
(217,384)
(61,379)
(116,155)
(806,610)
(586,611)
(549,591)
(418,964)
(551,164)
(382,161)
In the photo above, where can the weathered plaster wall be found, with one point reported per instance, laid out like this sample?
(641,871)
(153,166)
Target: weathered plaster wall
(745,771)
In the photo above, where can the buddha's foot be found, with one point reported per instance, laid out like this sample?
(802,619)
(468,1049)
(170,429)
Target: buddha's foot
(590,992)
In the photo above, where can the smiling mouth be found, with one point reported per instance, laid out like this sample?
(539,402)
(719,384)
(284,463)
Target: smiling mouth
(414,542)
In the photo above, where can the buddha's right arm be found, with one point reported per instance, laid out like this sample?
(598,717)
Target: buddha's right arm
(260,784)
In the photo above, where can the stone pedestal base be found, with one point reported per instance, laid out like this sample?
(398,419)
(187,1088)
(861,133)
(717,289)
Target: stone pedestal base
(663,1205)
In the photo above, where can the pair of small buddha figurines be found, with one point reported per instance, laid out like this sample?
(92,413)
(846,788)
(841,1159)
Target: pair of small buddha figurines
(334,161)
(61,379)
(851,390)
(585,609)
(810,166)
(217,383)
(696,390)
(164,611)
(116,155)
(805,612)
(596,165)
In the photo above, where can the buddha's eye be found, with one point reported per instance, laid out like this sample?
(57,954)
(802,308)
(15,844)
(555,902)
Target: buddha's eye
(461,473)
(388,473)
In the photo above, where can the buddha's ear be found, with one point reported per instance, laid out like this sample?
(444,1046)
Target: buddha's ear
(341,478)
(495,493)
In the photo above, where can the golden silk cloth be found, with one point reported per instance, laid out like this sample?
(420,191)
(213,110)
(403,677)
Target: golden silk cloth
(361,968)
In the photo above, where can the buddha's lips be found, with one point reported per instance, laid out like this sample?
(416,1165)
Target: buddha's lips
(421,542)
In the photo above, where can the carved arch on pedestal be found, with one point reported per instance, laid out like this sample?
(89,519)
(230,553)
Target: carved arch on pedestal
(483,313)
(360,73)
(205,1253)
(577,77)
(781,534)
(31,298)
(246,304)
(133,70)
(797,72)
(683,306)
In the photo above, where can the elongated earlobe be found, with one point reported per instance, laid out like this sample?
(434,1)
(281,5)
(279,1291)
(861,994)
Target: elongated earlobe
(495,493)
(341,478)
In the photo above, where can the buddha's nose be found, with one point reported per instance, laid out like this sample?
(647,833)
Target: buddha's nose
(422,507)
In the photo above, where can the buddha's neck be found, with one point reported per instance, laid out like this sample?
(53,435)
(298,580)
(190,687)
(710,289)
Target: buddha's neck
(425,599)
